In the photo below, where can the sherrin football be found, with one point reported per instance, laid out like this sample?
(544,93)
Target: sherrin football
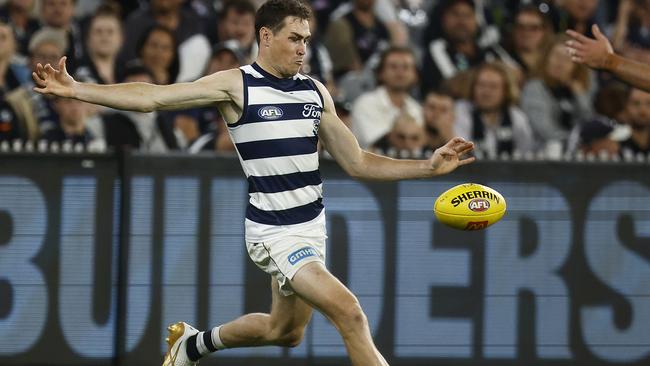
(470,206)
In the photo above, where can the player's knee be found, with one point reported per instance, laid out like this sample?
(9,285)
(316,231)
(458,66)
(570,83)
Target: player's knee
(351,317)
(292,338)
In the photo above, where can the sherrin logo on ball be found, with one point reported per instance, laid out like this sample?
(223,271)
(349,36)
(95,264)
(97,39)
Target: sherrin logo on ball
(470,206)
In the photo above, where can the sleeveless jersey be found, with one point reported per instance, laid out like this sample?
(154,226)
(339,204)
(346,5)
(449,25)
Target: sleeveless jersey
(276,139)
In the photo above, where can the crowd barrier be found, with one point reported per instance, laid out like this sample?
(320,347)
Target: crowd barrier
(100,252)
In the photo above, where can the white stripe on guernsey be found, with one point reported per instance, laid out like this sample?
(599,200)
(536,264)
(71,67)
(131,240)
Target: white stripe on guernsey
(272,130)
(250,70)
(265,95)
(287,199)
(281,165)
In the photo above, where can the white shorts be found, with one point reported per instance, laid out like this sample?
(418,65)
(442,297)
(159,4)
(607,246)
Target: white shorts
(282,257)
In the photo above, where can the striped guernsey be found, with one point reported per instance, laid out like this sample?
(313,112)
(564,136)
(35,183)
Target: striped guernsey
(276,139)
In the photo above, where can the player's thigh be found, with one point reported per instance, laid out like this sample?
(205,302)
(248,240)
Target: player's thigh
(288,313)
(319,288)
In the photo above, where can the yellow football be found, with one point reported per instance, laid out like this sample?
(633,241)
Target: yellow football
(470,206)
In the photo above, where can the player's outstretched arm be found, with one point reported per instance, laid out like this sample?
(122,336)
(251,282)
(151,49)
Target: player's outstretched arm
(142,97)
(343,146)
(598,54)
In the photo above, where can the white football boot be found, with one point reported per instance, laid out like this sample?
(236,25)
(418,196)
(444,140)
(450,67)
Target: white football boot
(177,345)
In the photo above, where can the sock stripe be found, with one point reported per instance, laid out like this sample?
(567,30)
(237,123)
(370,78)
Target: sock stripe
(200,345)
(216,338)
(207,341)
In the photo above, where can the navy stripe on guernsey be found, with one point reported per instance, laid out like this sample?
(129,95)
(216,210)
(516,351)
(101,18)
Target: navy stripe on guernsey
(291,216)
(278,147)
(283,182)
(278,152)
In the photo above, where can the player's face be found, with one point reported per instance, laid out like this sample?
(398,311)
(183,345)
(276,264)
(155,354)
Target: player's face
(287,46)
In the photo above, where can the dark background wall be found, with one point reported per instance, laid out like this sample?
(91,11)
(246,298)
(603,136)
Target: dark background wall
(98,254)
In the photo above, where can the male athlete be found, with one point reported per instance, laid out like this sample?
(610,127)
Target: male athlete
(598,54)
(275,117)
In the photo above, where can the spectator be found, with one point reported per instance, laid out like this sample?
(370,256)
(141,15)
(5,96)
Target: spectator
(10,128)
(598,137)
(491,117)
(72,128)
(559,99)
(632,30)
(214,133)
(237,22)
(59,14)
(638,117)
(148,132)
(354,37)
(186,26)
(158,52)
(579,15)
(317,62)
(531,33)
(103,43)
(17,13)
(34,111)
(374,112)
(457,50)
(406,139)
(12,74)
(439,117)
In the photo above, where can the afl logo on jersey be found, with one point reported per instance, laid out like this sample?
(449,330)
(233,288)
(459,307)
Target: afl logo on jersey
(270,112)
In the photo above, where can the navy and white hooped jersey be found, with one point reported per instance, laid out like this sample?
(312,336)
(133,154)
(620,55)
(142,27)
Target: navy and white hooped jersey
(276,139)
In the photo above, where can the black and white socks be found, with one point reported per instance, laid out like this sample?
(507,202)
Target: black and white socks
(204,343)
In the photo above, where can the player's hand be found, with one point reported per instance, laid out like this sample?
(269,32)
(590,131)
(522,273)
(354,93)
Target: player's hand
(450,156)
(591,52)
(51,81)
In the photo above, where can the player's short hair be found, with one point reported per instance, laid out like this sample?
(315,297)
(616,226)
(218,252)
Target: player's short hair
(272,13)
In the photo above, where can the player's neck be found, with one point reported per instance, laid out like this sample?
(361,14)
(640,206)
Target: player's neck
(269,68)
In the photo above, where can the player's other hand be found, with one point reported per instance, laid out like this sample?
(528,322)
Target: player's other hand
(591,52)
(452,155)
(52,81)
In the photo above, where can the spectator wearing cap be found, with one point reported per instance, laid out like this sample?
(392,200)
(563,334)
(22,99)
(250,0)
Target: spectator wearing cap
(147,132)
(34,111)
(354,37)
(237,23)
(59,14)
(490,116)
(599,136)
(374,112)
(637,116)
(457,49)
(12,74)
(186,26)
(214,133)
(72,127)
(17,14)
(103,42)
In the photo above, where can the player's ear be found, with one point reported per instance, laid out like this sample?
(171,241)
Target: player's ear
(265,36)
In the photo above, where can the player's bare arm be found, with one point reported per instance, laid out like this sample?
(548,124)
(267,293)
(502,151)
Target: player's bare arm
(141,97)
(343,146)
(598,54)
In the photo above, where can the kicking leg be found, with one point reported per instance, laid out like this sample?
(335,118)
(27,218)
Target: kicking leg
(318,287)
(284,326)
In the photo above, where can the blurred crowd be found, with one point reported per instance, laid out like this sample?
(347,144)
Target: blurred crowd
(406,75)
